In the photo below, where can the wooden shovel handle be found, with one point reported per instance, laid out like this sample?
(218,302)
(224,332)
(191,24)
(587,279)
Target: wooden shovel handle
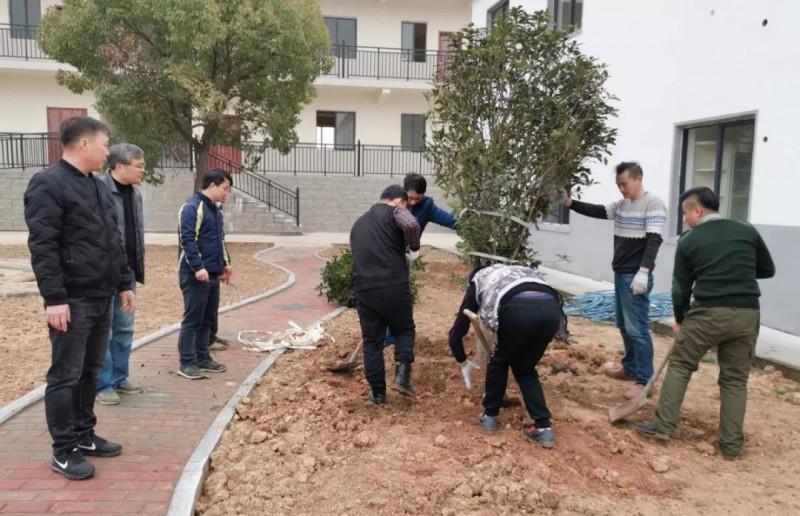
(476,323)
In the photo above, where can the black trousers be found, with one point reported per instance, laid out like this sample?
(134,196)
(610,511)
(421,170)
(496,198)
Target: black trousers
(78,356)
(378,309)
(526,327)
(200,306)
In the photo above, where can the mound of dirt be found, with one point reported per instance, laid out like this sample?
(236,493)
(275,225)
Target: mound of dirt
(307,442)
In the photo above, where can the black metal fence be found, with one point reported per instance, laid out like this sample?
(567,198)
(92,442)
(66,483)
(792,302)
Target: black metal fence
(337,160)
(38,150)
(20,41)
(274,195)
(388,63)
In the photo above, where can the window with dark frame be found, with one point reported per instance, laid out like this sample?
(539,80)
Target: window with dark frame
(566,14)
(414,37)
(496,12)
(336,129)
(343,36)
(558,214)
(24,16)
(719,156)
(412,133)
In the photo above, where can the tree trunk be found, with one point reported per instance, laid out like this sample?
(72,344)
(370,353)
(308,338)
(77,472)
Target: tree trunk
(201,167)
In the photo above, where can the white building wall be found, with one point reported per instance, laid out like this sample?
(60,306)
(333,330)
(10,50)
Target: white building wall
(379,21)
(26,95)
(377,112)
(676,62)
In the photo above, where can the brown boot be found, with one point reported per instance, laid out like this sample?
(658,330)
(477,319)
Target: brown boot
(618,374)
(634,392)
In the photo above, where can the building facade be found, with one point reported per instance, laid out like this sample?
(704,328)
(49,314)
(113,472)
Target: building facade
(706,97)
(386,53)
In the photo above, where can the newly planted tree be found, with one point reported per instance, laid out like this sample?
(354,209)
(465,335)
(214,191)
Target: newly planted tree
(519,116)
(204,72)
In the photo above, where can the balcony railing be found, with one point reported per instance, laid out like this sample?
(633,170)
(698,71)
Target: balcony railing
(19,41)
(388,63)
(356,160)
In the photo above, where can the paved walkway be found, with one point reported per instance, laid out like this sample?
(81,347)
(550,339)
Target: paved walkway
(160,428)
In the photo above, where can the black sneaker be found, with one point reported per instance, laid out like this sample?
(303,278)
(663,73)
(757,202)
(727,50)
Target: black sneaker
(72,465)
(191,371)
(98,447)
(377,399)
(211,366)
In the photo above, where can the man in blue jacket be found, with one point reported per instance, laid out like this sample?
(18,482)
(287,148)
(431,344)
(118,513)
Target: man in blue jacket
(423,207)
(204,261)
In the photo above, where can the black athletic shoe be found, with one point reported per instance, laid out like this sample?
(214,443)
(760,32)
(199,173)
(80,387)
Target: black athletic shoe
(211,366)
(98,447)
(377,399)
(72,465)
(191,371)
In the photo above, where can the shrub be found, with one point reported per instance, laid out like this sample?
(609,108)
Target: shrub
(337,276)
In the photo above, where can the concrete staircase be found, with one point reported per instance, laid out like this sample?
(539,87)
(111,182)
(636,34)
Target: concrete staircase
(244,214)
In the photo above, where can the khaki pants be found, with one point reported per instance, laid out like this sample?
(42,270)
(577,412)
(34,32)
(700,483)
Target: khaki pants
(733,331)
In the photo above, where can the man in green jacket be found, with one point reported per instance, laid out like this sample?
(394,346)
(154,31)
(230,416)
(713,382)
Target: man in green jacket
(717,262)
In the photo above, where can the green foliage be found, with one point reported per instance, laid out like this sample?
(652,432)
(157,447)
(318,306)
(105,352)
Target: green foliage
(337,276)
(171,70)
(518,117)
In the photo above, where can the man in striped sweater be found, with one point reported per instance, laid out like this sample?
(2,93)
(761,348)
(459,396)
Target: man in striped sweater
(639,220)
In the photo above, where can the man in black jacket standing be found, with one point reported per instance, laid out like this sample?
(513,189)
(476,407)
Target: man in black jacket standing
(80,265)
(384,241)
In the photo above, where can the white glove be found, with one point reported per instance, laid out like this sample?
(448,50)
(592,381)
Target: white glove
(467,366)
(411,256)
(640,282)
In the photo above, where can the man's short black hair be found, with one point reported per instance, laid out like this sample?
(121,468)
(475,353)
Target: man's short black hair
(216,176)
(76,127)
(393,192)
(633,168)
(702,195)
(416,183)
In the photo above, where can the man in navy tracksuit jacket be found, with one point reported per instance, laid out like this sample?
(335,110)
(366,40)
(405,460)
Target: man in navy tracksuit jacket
(204,261)
(424,210)
(422,207)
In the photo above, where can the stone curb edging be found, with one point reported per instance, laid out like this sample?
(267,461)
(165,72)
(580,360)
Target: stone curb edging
(189,486)
(13,408)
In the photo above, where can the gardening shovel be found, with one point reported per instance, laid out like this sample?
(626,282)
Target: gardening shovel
(629,407)
(345,366)
(486,342)
(485,351)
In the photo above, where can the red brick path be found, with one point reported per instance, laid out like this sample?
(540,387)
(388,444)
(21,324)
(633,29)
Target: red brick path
(158,429)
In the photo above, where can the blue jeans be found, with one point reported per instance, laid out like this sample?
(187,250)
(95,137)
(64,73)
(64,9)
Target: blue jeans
(633,318)
(200,305)
(118,353)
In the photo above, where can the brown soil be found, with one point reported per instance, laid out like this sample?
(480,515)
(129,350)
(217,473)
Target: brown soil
(25,348)
(306,442)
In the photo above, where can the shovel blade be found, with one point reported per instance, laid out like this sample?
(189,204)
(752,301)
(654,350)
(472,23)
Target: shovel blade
(342,367)
(627,409)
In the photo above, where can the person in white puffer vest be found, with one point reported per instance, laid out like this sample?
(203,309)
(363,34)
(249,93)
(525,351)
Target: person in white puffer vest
(525,313)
